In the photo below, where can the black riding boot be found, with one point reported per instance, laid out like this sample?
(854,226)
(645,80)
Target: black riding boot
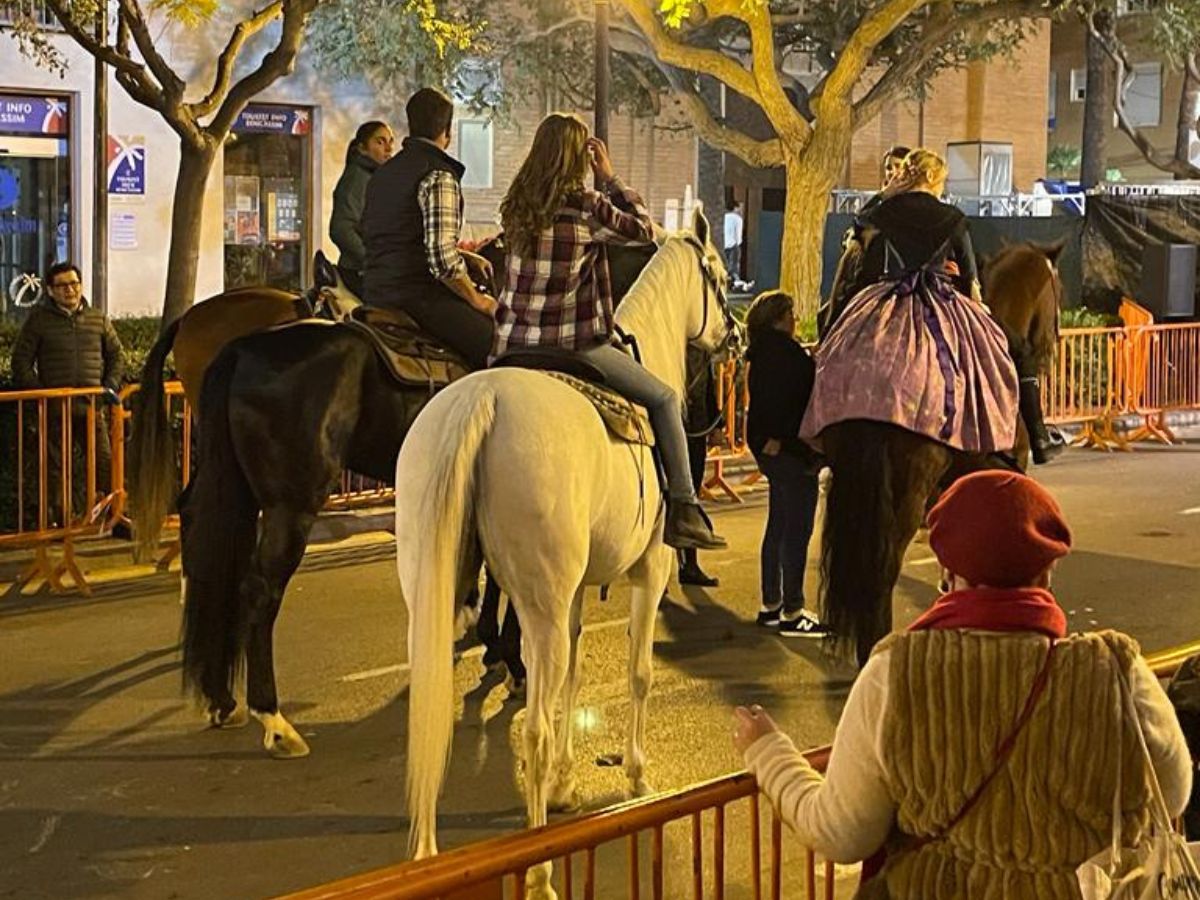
(691,573)
(1045,442)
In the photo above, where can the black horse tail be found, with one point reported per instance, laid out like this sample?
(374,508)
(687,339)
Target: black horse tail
(858,559)
(219,521)
(152,449)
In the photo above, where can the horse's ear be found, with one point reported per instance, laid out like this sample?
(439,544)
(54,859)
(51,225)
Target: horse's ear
(700,226)
(1055,250)
(325,273)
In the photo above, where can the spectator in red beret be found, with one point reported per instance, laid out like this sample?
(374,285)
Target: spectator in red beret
(979,753)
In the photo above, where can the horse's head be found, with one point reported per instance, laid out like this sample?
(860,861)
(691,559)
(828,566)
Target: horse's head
(1021,286)
(711,326)
(332,293)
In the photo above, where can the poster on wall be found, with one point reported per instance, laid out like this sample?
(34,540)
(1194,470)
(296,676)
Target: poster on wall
(122,231)
(283,209)
(242,224)
(26,114)
(273,120)
(127,164)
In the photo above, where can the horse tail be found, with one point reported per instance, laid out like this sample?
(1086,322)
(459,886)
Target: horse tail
(437,464)
(856,547)
(152,449)
(219,522)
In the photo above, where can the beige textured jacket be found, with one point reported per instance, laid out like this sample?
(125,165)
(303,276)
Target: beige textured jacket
(918,735)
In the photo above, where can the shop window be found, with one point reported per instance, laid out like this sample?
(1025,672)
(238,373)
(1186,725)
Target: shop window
(474,146)
(35,194)
(268,185)
(1143,100)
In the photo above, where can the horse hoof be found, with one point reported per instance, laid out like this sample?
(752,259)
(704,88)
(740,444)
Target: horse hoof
(516,687)
(238,717)
(285,746)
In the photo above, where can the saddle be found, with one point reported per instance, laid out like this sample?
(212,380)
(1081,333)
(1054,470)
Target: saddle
(411,357)
(624,420)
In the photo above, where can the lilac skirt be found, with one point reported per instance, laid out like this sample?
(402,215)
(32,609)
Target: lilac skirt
(918,354)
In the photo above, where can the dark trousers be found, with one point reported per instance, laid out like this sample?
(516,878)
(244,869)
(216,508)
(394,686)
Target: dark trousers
(697,450)
(79,500)
(733,262)
(453,322)
(791,508)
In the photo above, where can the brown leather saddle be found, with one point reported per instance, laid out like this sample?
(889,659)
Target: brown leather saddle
(410,355)
(626,421)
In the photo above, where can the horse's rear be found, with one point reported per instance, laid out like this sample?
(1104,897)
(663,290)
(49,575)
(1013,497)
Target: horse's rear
(516,468)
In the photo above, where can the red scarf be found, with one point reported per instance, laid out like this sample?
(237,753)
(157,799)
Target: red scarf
(996,609)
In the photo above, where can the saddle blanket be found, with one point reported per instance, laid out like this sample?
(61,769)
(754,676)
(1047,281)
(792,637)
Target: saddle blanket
(917,354)
(624,420)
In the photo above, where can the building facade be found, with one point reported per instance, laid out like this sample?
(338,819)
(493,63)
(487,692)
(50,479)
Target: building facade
(270,192)
(1152,102)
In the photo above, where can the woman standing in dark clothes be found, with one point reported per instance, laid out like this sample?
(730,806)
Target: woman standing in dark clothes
(781,381)
(372,146)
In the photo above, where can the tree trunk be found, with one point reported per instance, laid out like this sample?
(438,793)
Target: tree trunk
(1185,128)
(186,220)
(812,173)
(1097,113)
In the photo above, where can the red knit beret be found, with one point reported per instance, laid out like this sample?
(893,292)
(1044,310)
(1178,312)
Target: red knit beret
(998,529)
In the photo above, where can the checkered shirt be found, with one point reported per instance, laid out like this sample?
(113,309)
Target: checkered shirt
(440,199)
(561,296)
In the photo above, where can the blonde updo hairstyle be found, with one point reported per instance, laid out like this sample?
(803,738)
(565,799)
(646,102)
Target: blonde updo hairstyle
(925,169)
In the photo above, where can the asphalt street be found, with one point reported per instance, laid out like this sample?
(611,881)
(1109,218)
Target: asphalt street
(110,786)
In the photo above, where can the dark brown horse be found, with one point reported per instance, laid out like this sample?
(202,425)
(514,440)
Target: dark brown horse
(883,476)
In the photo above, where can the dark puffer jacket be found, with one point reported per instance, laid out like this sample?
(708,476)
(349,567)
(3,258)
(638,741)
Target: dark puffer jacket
(57,349)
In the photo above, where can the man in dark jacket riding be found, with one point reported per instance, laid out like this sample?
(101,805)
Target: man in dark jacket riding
(65,343)
(412,224)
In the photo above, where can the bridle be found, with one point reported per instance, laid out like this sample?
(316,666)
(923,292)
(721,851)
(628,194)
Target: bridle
(715,283)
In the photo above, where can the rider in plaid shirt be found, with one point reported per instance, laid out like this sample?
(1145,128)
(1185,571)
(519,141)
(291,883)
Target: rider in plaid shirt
(558,291)
(561,293)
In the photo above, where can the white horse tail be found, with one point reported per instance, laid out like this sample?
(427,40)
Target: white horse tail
(437,467)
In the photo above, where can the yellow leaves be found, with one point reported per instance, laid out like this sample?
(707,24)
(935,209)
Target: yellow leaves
(676,12)
(189,13)
(444,33)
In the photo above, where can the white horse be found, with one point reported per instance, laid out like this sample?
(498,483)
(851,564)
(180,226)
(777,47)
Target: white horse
(516,468)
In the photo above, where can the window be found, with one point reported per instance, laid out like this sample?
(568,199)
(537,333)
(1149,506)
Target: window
(474,145)
(33,9)
(1127,7)
(1143,99)
(1078,85)
(1052,102)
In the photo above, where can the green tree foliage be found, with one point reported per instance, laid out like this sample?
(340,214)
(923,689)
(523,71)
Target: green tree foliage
(1062,159)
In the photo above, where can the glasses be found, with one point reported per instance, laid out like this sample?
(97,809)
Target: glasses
(65,285)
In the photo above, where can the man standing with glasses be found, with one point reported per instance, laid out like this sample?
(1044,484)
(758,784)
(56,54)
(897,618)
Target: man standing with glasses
(65,343)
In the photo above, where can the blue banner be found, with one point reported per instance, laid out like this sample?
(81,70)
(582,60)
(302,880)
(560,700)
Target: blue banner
(273,120)
(126,164)
(27,114)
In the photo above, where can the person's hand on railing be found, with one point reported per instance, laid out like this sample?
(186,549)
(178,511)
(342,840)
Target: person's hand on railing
(749,725)
(110,397)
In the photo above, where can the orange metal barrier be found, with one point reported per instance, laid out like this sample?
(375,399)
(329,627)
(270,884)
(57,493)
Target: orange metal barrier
(58,490)
(495,869)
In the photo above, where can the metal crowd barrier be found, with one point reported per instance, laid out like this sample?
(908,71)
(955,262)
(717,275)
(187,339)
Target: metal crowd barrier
(1100,376)
(495,869)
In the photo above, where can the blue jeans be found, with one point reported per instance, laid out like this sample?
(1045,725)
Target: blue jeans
(627,377)
(791,508)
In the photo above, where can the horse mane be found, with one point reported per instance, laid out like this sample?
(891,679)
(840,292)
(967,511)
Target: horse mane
(1020,286)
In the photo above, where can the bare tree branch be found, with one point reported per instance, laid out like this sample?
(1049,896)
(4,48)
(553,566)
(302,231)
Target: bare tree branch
(280,61)
(856,56)
(83,37)
(242,32)
(695,59)
(784,118)
(1103,28)
(721,136)
(172,85)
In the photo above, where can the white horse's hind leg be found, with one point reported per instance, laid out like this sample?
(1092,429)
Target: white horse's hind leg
(563,795)
(546,648)
(649,578)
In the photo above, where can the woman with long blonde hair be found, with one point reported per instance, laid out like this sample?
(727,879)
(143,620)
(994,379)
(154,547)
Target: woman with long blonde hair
(558,290)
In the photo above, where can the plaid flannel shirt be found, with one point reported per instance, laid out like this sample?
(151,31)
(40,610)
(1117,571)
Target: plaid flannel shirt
(561,295)
(440,199)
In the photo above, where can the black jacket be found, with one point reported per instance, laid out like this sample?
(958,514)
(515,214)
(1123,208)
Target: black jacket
(57,349)
(393,225)
(896,235)
(349,198)
(781,383)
